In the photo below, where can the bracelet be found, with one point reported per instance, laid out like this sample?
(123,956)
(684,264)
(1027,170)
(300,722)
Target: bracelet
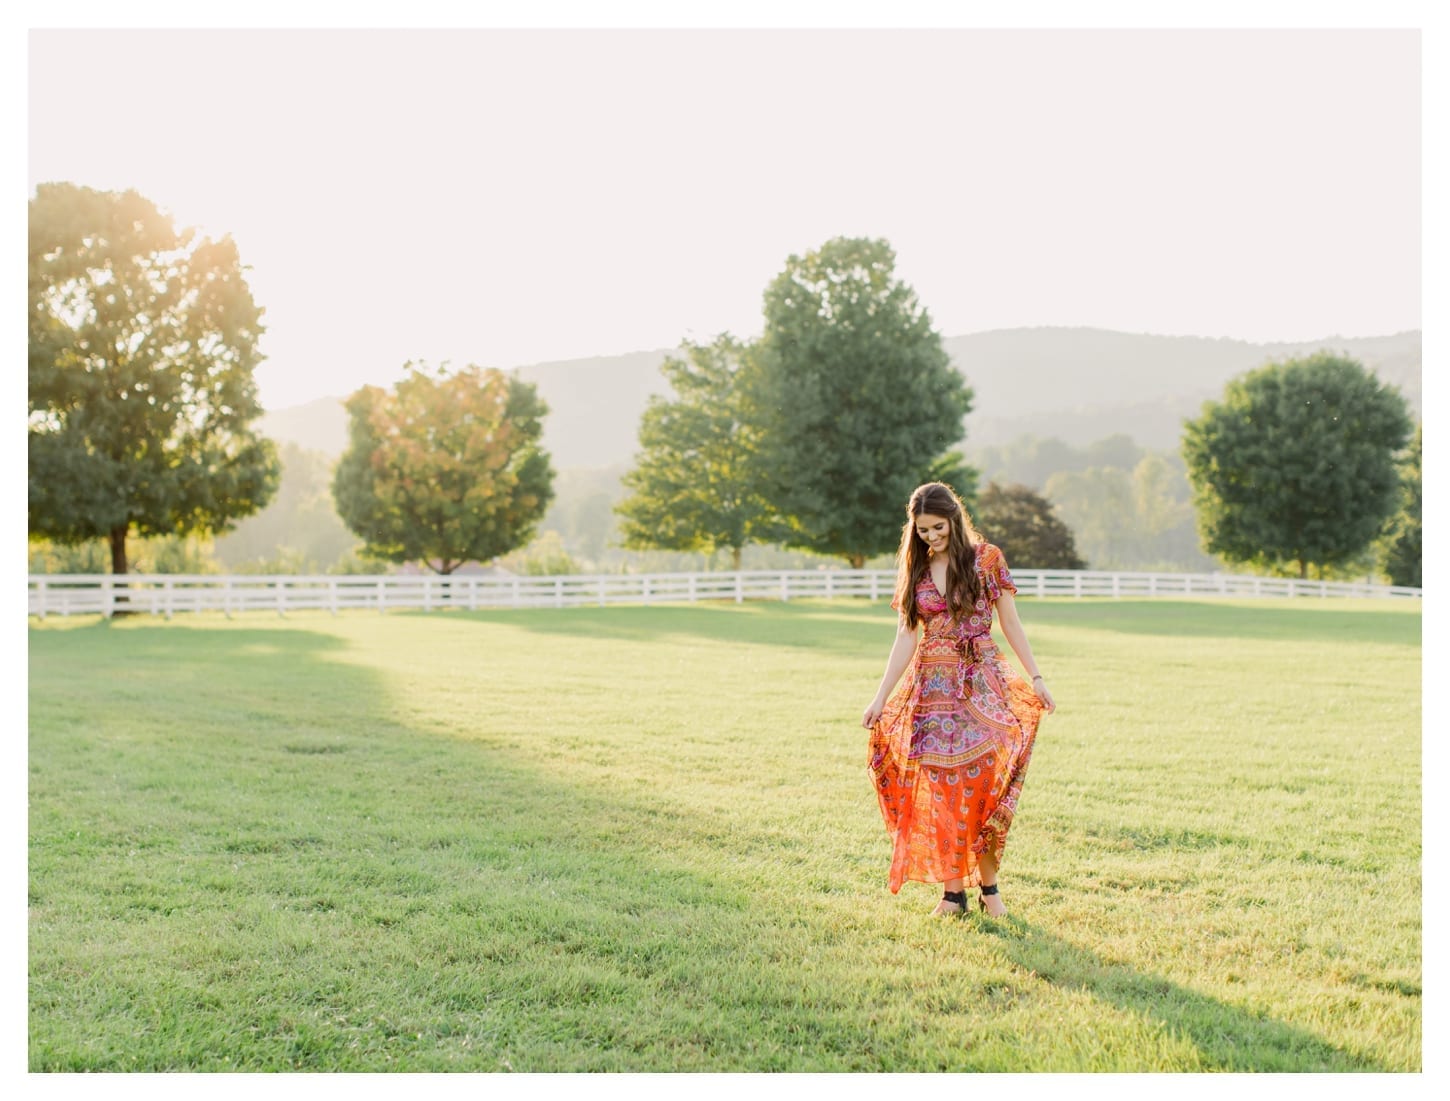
(1038,676)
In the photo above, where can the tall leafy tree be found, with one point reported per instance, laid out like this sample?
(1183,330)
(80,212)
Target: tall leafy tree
(1403,544)
(446,468)
(143,340)
(1026,528)
(697,483)
(856,397)
(1296,464)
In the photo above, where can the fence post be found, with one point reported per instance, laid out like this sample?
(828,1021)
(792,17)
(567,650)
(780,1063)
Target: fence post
(1077,585)
(382,595)
(693,578)
(473,594)
(281,584)
(1291,588)
(739,588)
(601,590)
(332,595)
(645,588)
(166,597)
(108,593)
(558,592)
(1117,591)
(41,594)
(1258,586)
(830,584)
(875,580)
(516,592)
(784,586)
(427,593)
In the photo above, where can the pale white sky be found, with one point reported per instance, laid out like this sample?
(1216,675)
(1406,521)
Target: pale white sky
(506,197)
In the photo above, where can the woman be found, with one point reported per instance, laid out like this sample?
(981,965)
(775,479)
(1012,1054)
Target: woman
(950,745)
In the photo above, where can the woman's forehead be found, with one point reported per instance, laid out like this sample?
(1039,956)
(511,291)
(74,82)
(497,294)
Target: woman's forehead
(926,519)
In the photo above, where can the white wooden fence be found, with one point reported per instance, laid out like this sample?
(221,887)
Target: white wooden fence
(166,594)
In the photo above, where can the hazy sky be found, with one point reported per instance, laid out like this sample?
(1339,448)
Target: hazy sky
(505,197)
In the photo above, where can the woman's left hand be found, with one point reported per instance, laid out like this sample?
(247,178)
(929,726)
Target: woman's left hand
(1040,687)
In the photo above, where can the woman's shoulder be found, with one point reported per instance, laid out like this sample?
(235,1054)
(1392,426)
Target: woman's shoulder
(988,553)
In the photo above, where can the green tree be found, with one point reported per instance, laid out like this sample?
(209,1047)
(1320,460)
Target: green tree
(143,341)
(697,484)
(1023,524)
(1402,545)
(1297,463)
(444,469)
(856,397)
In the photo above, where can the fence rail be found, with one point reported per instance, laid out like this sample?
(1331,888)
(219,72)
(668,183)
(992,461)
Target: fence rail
(167,594)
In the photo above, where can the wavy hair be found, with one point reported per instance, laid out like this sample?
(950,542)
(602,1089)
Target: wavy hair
(913,559)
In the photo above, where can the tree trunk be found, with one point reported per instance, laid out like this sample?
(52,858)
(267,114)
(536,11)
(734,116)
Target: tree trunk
(735,559)
(856,560)
(1303,570)
(119,598)
(118,548)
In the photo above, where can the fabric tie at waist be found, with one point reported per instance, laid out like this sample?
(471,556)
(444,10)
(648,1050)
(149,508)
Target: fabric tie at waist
(966,646)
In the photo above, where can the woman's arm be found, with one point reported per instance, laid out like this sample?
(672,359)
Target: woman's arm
(901,652)
(1017,639)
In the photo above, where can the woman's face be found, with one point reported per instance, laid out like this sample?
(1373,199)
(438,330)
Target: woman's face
(934,531)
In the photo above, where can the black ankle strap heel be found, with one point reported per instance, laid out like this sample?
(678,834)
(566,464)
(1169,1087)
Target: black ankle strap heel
(956,898)
(982,898)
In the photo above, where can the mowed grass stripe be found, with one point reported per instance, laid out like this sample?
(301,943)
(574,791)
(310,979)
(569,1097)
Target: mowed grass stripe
(644,839)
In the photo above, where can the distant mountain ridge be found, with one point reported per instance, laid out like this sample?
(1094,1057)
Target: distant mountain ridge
(1082,385)
(1078,384)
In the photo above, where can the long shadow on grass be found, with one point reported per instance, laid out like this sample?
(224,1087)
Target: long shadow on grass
(245,855)
(1226,1037)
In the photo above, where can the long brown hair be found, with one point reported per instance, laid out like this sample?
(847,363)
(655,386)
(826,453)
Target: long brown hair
(963,588)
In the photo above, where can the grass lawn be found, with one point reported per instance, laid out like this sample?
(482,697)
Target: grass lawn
(645,839)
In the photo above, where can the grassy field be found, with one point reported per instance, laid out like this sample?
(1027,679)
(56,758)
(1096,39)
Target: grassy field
(644,839)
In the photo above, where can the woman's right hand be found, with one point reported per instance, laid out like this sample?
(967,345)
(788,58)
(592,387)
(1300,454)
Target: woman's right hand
(872,713)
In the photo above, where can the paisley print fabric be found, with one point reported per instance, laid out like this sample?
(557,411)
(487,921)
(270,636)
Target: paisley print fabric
(949,754)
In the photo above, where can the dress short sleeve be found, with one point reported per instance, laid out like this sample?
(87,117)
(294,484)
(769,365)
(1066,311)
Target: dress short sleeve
(995,575)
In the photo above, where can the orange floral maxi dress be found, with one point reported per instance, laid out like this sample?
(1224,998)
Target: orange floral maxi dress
(950,751)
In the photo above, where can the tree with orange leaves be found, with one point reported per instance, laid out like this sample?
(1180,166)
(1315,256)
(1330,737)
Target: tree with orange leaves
(445,468)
